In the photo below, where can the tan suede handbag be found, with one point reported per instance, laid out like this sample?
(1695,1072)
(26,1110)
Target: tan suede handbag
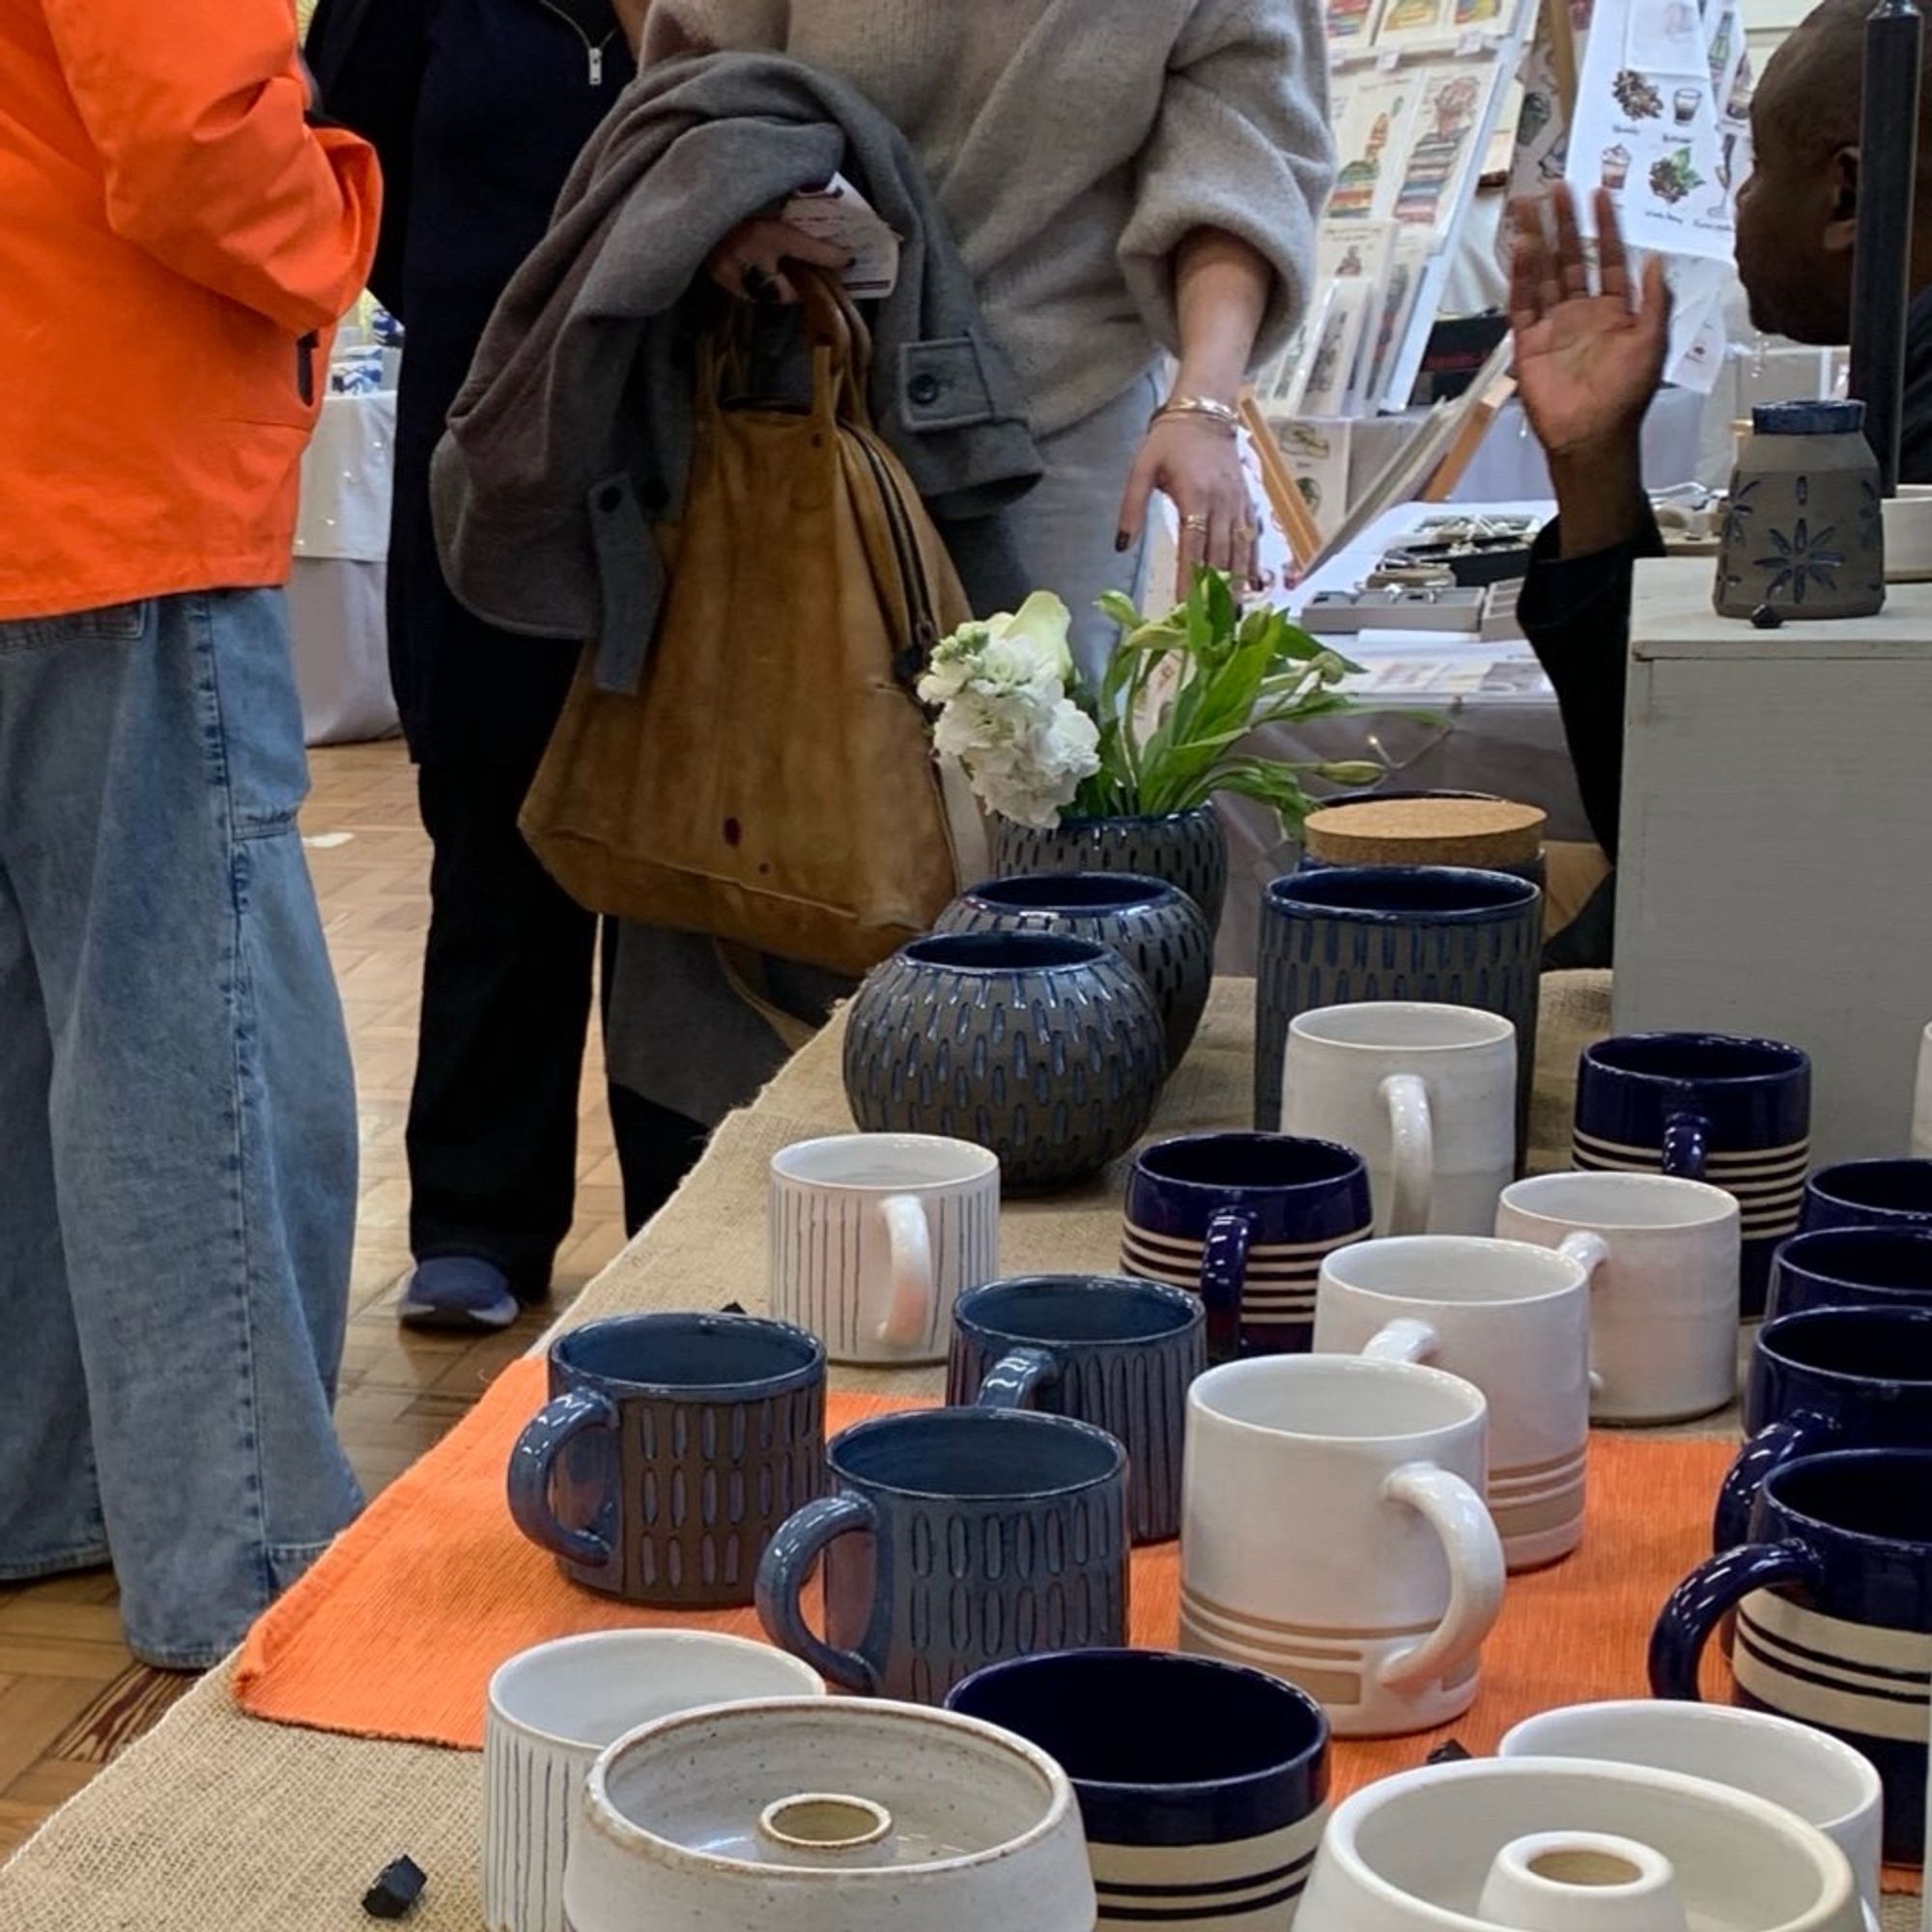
(772,782)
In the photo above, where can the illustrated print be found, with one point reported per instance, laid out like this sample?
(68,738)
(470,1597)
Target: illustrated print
(1673,178)
(1637,96)
(1451,110)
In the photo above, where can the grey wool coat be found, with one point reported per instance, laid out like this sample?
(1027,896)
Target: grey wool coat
(572,433)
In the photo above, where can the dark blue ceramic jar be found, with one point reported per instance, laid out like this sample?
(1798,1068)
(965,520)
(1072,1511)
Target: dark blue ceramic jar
(1155,927)
(1852,1267)
(1188,849)
(1045,1049)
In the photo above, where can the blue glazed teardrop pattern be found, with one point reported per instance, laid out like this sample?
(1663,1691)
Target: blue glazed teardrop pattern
(1188,849)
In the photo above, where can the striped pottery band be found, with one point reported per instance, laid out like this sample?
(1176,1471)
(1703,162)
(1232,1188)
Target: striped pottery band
(1767,1184)
(1202,1786)
(1834,1600)
(1536,1503)
(1277,1291)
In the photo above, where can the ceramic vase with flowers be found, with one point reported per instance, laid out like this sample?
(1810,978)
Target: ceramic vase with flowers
(1123,779)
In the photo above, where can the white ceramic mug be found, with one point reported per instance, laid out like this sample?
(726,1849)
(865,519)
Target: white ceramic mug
(1426,1094)
(1663,1255)
(874,1237)
(1921,1100)
(1334,1534)
(1513,1320)
(553,1708)
(1825,1781)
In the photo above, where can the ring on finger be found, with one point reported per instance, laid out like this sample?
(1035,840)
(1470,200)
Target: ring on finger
(1198,524)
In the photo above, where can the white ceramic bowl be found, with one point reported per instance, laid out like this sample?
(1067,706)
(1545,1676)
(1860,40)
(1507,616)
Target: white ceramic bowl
(552,1709)
(833,1815)
(1825,1781)
(1415,1853)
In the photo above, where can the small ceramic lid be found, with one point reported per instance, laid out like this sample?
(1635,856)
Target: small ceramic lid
(1425,831)
(1820,418)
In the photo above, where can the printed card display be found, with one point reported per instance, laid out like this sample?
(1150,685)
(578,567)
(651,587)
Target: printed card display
(1352,23)
(1407,22)
(1374,142)
(1316,455)
(1396,315)
(1445,143)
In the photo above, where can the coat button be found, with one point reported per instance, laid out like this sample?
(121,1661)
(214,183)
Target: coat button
(923,391)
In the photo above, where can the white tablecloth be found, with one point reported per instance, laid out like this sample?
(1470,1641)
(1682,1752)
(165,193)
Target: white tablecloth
(337,586)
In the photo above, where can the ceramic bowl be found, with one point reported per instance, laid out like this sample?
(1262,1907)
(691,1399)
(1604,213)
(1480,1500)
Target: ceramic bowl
(833,1815)
(1423,1851)
(1823,1779)
(553,1708)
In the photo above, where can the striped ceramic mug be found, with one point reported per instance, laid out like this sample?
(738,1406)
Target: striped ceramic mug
(1245,1221)
(1203,1785)
(1833,1602)
(1705,1106)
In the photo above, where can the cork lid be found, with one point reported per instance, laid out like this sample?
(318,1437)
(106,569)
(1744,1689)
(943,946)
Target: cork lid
(1425,832)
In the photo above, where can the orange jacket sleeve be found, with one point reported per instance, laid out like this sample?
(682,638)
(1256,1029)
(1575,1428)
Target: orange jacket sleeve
(198,110)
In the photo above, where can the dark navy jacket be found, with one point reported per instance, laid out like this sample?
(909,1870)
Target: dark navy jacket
(479,109)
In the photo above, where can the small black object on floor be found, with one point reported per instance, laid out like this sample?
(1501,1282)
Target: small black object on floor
(396,1890)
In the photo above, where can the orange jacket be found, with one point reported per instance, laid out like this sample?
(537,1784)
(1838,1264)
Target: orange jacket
(171,233)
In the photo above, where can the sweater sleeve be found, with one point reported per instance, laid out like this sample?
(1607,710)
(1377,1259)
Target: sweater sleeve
(198,112)
(1241,144)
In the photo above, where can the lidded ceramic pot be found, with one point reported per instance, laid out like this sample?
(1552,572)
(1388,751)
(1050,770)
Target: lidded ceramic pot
(827,1815)
(1803,530)
(1540,1844)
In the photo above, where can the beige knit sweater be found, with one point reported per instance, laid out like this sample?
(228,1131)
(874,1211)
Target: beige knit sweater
(1073,143)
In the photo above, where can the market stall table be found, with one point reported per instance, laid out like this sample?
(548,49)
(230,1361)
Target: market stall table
(220,1823)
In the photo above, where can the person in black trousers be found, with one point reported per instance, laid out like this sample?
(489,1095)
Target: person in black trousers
(479,109)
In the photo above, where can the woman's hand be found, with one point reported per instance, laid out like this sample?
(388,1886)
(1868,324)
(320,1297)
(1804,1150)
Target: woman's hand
(1196,463)
(749,263)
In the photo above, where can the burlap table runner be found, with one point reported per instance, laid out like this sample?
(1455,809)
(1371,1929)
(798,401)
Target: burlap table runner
(217,1822)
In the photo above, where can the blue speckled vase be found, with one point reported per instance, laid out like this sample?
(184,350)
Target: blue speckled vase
(1045,1049)
(1155,927)
(1188,849)
(1349,933)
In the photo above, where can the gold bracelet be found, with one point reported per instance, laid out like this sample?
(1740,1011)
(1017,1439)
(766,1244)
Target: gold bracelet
(1204,409)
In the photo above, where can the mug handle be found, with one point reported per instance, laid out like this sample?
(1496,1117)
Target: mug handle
(912,1285)
(1224,1277)
(1403,1339)
(1589,1251)
(1477,1574)
(1686,1144)
(533,1463)
(1706,1597)
(1017,1378)
(1801,1435)
(1412,1139)
(782,1569)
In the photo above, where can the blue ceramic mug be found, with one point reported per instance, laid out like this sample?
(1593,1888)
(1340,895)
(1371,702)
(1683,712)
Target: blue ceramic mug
(670,1450)
(1444,934)
(1895,1194)
(1833,1379)
(1154,926)
(953,1538)
(1203,1785)
(1119,1354)
(1851,1267)
(1833,1602)
(1705,1106)
(1245,1221)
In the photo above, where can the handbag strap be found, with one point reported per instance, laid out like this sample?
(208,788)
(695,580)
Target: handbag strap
(832,322)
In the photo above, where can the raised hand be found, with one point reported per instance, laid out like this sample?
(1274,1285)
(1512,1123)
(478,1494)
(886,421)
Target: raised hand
(1587,363)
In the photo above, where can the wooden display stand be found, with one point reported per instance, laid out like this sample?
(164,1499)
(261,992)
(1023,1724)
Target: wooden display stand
(1776,860)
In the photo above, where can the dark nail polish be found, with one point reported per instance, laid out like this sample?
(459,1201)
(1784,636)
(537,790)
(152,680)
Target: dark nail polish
(1122,540)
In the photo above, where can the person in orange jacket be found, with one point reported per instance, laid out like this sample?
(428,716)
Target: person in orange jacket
(177,1111)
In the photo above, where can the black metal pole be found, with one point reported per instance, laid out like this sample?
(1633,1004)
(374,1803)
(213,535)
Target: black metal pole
(1882,269)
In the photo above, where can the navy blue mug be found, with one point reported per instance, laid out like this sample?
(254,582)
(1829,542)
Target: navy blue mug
(1339,935)
(1832,1379)
(1119,1354)
(1245,1221)
(1705,1106)
(1895,1194)
(1851,1267)
(1833,1602)
(1203,1785)
(670,1450)
(955,1538)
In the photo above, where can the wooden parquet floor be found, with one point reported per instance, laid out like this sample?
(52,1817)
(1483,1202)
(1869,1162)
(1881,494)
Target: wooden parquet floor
(71,1696)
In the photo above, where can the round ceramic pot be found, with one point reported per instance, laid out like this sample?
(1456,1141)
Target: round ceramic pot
(1544,1844)
(827,1815)
(1188,849)
(1045,1049)
(1803,531)
(1154,926)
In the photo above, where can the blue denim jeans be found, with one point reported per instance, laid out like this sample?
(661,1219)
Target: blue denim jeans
(177,1120)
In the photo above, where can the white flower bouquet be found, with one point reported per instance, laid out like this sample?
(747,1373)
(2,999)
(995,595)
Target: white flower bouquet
(1164,731)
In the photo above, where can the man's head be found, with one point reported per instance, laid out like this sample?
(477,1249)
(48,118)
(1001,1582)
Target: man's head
(1797,213)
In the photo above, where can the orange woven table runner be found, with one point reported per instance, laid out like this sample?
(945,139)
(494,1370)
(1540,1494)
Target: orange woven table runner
(395,1632)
